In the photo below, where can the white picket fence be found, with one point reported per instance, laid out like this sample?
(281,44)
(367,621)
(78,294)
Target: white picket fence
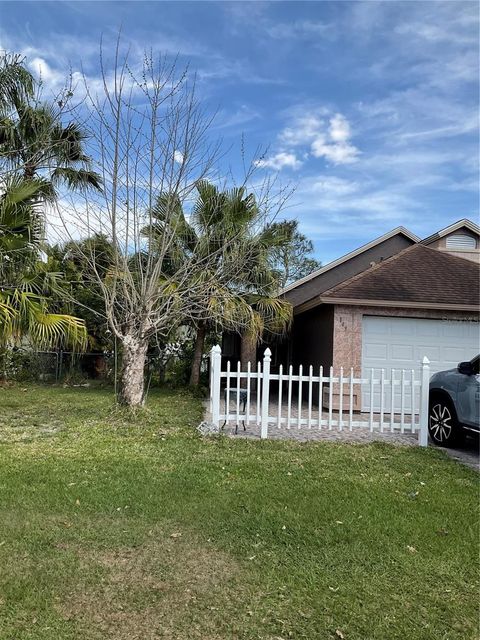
(397,399)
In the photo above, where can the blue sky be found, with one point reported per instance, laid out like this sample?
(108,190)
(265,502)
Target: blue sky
(370,109)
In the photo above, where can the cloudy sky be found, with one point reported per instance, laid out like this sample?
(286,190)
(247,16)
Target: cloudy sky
(370,109)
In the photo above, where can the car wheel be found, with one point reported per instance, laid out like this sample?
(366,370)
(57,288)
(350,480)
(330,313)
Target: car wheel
(443,425)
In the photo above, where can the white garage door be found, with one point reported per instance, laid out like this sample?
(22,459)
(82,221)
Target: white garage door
(401,343)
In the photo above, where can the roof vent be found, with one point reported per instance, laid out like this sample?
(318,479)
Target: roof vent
(461,241)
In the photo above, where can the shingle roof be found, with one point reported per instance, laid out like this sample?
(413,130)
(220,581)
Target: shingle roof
(417,274)
(347,266)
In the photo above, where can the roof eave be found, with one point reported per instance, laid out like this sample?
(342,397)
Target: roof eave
(399,303)
(465,222)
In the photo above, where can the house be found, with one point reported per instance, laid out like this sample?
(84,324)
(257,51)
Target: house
(387,304)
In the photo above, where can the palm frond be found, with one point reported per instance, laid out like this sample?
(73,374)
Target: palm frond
(21,219)
(16,82)
(67,142)
(77,179)
(24,315)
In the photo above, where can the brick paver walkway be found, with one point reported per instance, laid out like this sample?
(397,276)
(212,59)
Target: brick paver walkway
(304,433)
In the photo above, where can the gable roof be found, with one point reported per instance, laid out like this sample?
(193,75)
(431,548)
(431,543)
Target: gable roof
(464,223)
(418,276)
(335,263)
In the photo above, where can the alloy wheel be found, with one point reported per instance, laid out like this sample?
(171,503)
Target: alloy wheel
(440,423)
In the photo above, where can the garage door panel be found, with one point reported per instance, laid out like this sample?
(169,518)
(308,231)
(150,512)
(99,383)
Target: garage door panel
(401,343)
(430,330)
(401,352)
(453,354)
(378,329)
(471,331)
(376,351)
(400,328)
(452,330)
(433,353)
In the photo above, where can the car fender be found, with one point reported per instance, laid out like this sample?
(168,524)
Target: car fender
(441,392)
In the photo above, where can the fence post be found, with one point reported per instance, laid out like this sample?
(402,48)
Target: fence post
(424,392)
(59,363)
(216,362)
(210,383)
(265,392)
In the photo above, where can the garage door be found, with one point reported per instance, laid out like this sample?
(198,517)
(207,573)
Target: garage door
(401,343)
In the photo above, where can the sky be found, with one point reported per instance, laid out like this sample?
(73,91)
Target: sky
(369,110)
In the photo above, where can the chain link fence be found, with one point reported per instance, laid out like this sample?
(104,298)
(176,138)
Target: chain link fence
(171,366)
(56,366)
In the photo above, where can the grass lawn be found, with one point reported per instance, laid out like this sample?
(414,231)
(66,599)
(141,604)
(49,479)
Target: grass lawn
(114,527)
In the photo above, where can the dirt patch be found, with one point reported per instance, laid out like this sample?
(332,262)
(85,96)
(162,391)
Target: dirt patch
(168,588)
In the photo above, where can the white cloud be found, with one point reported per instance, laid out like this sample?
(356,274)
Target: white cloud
(324,135)
(233,119)
(51,77)
(280,161)
(334,146)
(339,128)
(432,33)
(331,186)
(299,29)
(337,152)
(302,131)
(330,206)
(178,156)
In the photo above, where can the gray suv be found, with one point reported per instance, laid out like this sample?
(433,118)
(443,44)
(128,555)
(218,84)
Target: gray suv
(454,407)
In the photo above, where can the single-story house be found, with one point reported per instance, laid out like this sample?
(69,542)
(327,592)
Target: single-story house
(386,305)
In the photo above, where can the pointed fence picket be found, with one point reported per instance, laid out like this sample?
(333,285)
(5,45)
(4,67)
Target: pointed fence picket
(387,410)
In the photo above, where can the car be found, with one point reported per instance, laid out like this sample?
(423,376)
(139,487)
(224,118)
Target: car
(454,403)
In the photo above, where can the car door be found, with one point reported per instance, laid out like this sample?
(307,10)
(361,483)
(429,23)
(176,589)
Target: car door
(468,397)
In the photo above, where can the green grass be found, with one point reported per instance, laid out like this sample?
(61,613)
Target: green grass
(133,527)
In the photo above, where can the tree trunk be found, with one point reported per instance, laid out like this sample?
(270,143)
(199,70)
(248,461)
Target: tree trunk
(134,355)
(248,353)
(197,354)
(29,172)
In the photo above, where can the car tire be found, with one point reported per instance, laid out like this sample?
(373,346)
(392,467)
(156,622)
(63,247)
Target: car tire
(443,425)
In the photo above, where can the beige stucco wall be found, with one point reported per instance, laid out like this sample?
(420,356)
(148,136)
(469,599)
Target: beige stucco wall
(473,255)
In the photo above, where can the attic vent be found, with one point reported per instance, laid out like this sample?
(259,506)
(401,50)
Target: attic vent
(461,241)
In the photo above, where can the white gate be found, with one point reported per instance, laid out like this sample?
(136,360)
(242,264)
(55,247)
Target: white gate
(319,399)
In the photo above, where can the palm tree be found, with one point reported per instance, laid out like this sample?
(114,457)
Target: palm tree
(16,82)
(36,152)
(33,138)
(36,142)
(24,286)
(245,284)
(82,262)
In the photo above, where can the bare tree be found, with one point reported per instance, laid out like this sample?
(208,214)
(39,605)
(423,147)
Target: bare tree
(151,146)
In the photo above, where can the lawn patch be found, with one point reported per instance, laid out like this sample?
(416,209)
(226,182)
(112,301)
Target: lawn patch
(126,525)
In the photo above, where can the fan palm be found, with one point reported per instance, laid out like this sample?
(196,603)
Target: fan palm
(24,310)
(243,293)
(33,138)
(35,141)
(16,82)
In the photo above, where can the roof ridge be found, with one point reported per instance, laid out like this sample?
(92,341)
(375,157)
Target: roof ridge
(465,222)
